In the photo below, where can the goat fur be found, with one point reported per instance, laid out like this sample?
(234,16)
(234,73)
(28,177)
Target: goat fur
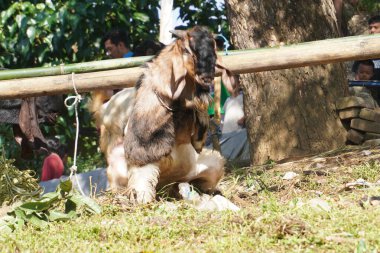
(153,135)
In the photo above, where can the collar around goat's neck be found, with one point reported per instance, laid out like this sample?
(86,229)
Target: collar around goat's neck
(162,102)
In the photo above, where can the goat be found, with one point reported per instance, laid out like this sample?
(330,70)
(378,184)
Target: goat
(153,134)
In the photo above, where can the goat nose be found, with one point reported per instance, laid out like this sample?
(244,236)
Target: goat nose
(207,79)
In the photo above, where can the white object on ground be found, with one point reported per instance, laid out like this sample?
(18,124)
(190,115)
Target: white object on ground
(205,202)
(289,175)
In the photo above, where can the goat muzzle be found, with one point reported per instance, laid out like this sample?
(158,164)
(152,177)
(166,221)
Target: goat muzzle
(205,80)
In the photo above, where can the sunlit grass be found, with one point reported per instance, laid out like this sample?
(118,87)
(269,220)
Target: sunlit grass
(276,216)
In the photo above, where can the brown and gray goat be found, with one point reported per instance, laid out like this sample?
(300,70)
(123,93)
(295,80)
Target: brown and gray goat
(153,135)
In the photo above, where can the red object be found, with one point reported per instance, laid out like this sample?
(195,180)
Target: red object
(52,167)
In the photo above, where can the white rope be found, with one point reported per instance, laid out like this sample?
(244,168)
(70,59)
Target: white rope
(77,98)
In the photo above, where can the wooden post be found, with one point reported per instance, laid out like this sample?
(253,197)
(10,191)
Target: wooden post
(303,54)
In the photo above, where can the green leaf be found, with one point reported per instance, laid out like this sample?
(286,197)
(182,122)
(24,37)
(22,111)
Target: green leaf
(141,16)
(70,206)
(50,196)
(31,33)
(8,13)
(59,216)
(35,206)
(66,186)
(7,224)
(36,221)
(19,213)
(21,20)
(5,228)
(91,205)
(40,6)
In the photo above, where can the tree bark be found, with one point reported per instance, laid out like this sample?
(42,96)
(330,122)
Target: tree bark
(289,113)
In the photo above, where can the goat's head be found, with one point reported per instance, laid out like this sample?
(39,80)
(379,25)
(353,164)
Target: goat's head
(198,47)
(200,60)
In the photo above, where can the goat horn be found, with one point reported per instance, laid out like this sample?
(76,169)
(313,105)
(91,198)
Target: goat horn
(178,33)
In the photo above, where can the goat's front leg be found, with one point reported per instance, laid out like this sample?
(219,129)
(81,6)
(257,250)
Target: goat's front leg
(142,182)
(208,172)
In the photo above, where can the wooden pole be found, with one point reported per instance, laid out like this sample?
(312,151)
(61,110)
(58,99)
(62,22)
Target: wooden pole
(303,54)
(76,67)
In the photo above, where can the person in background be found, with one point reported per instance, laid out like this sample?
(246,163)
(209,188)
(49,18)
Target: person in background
(373,28)
(117,44)
(148,47)
(233,114)
(54,162)
(364,72)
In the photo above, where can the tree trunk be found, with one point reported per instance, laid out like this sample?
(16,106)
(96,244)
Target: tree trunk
(289,113)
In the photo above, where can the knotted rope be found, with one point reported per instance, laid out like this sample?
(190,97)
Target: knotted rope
(77,98)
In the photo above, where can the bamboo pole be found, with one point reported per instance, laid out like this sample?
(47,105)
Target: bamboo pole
(303,54)
(77,68)
(85,67)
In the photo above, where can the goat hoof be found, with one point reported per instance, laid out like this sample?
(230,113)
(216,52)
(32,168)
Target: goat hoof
(140,197)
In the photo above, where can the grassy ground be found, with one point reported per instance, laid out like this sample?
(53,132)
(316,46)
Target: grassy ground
(317,211)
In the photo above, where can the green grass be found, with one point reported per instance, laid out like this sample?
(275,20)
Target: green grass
(275,216)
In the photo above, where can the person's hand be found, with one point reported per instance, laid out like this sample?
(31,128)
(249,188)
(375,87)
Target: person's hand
(241,122)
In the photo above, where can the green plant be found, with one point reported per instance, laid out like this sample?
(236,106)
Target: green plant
(62,205)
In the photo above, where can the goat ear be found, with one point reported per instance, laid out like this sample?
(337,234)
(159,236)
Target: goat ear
(229,80)
(178,33)
(178,78)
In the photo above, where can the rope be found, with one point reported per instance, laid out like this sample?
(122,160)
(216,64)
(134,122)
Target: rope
(226,44)
(77,98)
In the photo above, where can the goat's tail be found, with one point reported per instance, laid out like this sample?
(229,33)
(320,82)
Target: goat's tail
(98,98)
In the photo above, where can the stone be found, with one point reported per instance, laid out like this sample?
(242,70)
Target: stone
(352,101)
(349,113)
(289,175)
(365,125)
(370,115)
(375,142)
(355,136)
(319,205)
(371,136)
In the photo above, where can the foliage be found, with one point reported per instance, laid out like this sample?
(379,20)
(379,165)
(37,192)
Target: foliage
(51,33)
(16,184)
(369,5)
(61,205)
(55,32)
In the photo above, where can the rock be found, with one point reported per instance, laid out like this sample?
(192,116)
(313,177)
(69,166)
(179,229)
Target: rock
(372,143)
(352,101)
(371,136)
(370,115)
(289,175)
(349,113)
(216,203)
(365,125)
(319,205)
(366,152)
(355,136)
(205,202)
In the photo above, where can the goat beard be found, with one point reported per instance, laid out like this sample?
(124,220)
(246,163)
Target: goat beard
(202,120)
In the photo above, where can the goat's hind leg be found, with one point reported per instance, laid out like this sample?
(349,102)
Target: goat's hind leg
(209,171)
(142,182)
(117,172)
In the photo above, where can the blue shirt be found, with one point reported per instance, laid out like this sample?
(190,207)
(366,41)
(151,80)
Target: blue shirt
(127,55)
